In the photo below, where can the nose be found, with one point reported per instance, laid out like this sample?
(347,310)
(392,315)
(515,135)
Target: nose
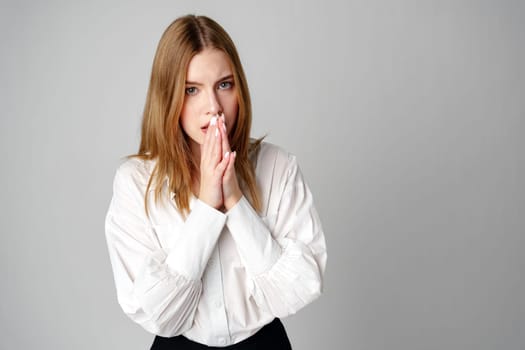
(214,103)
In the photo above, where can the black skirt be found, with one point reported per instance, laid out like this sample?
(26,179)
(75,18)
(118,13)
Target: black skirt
(272,336)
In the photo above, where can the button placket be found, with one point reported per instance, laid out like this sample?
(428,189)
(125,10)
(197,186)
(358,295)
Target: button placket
(215,298)
(219,302)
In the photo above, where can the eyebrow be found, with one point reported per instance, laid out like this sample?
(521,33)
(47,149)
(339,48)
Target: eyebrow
(230,76)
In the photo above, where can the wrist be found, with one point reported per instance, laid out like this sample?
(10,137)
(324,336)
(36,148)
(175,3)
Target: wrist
(232,200)
(212,201)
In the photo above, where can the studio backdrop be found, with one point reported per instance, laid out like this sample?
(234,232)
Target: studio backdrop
(406,117)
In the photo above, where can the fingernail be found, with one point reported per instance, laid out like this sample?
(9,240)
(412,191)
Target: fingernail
(224,126)
(226,155)
(216,132)
(213,120)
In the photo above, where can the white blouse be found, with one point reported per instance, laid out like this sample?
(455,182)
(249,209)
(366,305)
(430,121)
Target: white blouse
(215,277)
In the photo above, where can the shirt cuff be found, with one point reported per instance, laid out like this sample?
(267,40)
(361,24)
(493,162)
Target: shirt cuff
(194,245)
(254,241)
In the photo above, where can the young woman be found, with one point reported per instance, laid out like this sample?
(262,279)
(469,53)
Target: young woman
(212,236)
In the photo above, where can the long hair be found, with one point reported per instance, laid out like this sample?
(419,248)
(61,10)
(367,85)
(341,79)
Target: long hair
(162,137)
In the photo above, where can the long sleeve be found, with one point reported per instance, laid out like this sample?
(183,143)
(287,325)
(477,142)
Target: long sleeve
(284,253)
(157,287)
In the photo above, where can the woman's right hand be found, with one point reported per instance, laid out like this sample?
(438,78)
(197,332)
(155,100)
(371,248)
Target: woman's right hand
(212,166)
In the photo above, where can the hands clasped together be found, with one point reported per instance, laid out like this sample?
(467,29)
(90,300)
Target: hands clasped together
(218,181)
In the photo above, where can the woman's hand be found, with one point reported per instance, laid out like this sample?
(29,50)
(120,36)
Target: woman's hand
(213,165)
(230,186)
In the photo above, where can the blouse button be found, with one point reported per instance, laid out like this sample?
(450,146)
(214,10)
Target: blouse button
(218,304)
(222,341)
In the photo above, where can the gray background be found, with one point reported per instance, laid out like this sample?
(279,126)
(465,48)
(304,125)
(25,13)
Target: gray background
(407,118)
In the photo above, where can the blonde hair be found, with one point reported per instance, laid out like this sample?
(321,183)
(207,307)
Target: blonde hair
(162,137)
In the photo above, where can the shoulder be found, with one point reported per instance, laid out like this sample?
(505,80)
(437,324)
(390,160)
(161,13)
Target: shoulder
(270,150)
(271,156)
(134,170)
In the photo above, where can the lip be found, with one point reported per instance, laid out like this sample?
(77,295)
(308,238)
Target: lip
(204,129)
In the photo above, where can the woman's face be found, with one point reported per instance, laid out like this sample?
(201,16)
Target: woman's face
(209,92)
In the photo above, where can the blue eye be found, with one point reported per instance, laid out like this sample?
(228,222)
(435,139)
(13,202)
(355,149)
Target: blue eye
(225,85)
(192,90)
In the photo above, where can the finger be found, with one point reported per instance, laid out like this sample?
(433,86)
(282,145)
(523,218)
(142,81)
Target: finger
(224,134)
(213,154)
(230,168)
(224,126)
(217,143)
(209,147)
(223,164)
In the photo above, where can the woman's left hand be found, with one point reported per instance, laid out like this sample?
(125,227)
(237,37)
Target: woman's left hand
(231,190)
